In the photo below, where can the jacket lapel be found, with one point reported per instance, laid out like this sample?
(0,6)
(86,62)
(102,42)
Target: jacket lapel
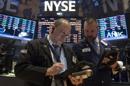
(45,47)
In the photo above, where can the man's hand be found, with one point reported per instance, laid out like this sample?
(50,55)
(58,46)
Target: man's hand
(54,69)
(76,80)
(78,77)
(106,60)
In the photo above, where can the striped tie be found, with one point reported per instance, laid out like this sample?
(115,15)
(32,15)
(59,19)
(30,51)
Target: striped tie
(57,52)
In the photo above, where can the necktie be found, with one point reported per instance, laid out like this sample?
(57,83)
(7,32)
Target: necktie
(56,52)
(96,47)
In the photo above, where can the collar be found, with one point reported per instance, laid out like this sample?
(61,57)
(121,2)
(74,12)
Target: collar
(97,40)
(49,40)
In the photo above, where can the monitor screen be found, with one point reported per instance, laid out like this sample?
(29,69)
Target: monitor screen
(113,28)
(45,25)
(16,28)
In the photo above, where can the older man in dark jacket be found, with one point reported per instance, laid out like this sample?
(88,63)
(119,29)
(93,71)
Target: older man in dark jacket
(45,62)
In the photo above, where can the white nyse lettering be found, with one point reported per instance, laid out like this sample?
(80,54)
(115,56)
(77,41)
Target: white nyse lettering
(8,8)
(64,5)
(48,6)
(57,5)
(113,4)
(71,6)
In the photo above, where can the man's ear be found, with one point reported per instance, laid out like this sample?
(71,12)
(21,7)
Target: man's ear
(53,28)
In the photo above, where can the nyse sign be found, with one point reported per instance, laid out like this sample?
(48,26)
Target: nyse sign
(22,8)
(102,8)
(59,6)
(109,4)
(9,5)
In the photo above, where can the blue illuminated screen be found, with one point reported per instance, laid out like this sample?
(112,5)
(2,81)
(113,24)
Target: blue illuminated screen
(45,25)
(16,28)
(113,28)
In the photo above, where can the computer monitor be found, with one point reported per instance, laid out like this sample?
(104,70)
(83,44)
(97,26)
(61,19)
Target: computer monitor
(113,28)
(16,28)
(45,25)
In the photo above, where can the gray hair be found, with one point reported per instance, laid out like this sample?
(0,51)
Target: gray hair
(60,21)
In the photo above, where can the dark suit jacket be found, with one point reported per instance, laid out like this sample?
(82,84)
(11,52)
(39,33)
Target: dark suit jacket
(34,63)
(85,51)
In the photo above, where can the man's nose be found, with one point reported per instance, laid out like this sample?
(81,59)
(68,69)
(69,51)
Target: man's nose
(89,34)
